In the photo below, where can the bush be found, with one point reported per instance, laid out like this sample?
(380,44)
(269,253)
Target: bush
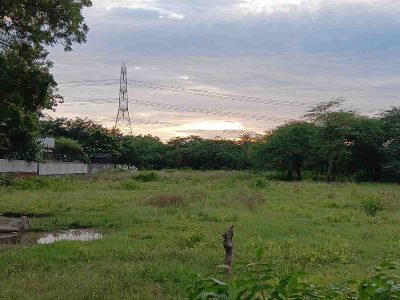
(33,183)
(146,176)
(371,205)
(130,185)
(259,183)
(7,180)
(70,149)
(258,281)
(191,239)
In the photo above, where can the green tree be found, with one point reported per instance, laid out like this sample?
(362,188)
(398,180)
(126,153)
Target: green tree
(391,147)
(331,147)
(69,149)
(98,142)
(143,152)
(345,142)
(198,153)
(26,85)
(285,149)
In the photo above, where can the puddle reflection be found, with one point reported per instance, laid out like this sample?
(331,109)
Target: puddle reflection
(30,238)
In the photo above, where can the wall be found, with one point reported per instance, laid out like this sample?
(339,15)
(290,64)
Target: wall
(62,168)
(17,166)
(50,168)
(95,168)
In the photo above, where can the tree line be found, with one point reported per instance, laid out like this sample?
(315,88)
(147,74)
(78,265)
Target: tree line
(328,143)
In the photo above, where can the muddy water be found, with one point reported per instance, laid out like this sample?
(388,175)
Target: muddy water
(31,238)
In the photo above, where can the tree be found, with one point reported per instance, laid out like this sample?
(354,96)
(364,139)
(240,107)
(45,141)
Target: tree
(345,142)
(69,149)
(285,149)
(203,154)
(391,147)
(98,142)
(143,152)
(26,85)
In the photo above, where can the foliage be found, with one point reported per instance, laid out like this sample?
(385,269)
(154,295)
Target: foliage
(146,176)
(285,148)
(371,204)
(7,180)
(143,152)
(130,185)
(391,147)
(333,143)
(205,154)
(259,281)
(98,143)
(69,148)
(26,29)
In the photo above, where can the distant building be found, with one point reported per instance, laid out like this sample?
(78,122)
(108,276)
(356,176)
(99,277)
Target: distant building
(47,143)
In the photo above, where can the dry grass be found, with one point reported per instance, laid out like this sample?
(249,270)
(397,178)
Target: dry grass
(331,195)
(164,200)
(390,200)
(194,196)
(251,200)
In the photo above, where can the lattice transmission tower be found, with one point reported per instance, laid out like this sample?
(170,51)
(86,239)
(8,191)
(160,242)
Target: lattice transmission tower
(123,120)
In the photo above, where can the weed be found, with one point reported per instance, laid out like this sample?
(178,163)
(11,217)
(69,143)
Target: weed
(7,180)
(146,176)
(130,185)
(259,183)
(195,195)
(390,200)
(191,239)
(162,201)
(331,195)
(371,204)
(251,200)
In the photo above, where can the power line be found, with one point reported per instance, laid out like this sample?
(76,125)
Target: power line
(184,108)
(209,93)
(196,92)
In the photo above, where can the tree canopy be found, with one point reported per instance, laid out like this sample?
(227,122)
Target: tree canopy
(26,85)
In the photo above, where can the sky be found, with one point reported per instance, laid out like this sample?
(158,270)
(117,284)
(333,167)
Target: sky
(227,67)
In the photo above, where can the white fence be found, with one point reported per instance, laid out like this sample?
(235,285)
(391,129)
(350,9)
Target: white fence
(62,168)
(17,166)
(50,168)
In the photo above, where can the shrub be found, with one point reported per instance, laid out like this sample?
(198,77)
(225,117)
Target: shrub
(162,201)
(146,176)
(7,180)
(258,281)
(191,239)
(33,183)
(371,204)
(130,185)
(259,183)
(69,148)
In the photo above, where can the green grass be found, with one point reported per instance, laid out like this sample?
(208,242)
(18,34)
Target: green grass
(162,232)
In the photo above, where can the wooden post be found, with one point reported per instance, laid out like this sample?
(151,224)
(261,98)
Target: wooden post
(228,246)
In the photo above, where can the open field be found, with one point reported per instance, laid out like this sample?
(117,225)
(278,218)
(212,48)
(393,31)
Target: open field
(161,232)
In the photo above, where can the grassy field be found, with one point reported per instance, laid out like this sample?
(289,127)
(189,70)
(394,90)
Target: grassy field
(162,232)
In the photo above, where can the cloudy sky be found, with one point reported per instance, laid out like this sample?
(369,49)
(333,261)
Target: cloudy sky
(225,67)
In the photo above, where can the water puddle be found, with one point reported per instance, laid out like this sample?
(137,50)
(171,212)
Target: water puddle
(31,238)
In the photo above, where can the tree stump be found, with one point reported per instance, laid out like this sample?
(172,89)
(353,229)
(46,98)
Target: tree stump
(228,246)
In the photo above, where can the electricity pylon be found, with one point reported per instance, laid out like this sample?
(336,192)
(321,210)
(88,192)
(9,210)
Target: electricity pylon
(123,121)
